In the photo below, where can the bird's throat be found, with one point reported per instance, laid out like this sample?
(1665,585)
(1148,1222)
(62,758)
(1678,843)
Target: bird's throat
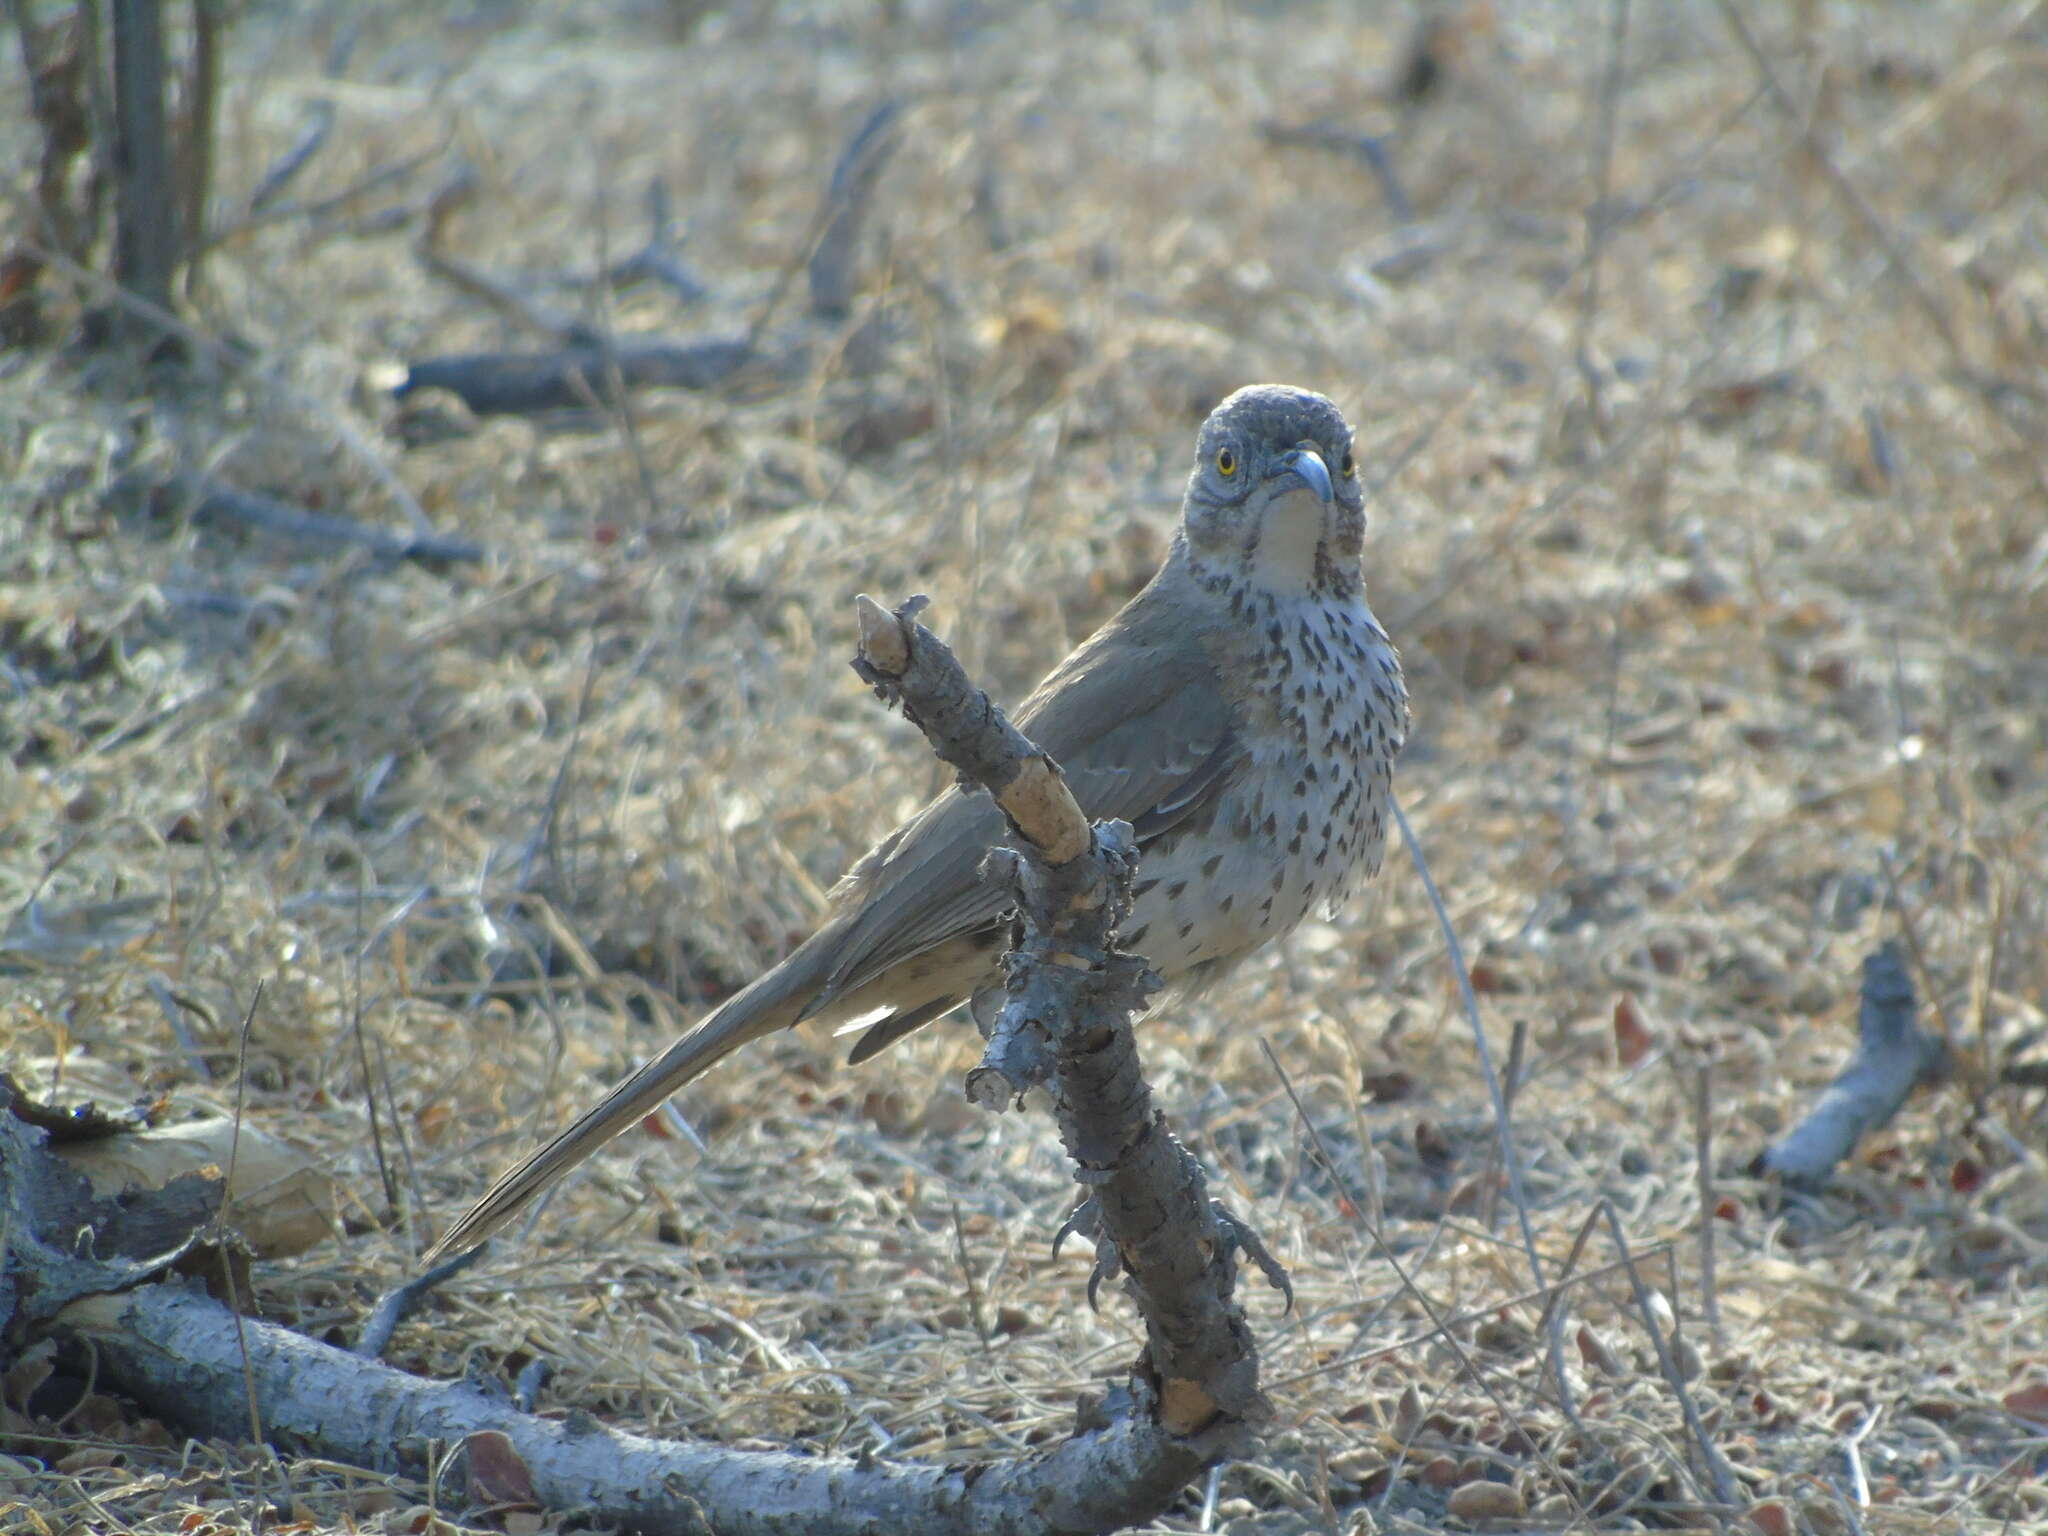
(1290,534)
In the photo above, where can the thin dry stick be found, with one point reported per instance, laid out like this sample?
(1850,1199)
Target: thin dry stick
(1510,1159)
(405,1158)
(1598,216)
(384,1173)
(220,1231)
(1910,932)
(615,378)
(1440,1322)
(1717,1469)
(1518,1045)
(1416,1340)
(1703,1156)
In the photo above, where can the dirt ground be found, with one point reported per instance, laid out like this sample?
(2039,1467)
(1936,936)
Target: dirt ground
(1703,397)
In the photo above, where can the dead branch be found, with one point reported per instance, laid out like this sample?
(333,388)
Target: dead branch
(577,377)
(270,186)
(1893,1057)
(213,502)
(657,260)
(179,1353)
(199,116)
(848,197)
(1070,996)
(146,230)
(47,1206)
(1368,149)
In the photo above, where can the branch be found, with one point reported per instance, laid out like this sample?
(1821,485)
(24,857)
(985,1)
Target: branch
(521,383)
(1070,995)
(1893,1057)
(177,1351)
(146,234)
(214,502)
(848,198)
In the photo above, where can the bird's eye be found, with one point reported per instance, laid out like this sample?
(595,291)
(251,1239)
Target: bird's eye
(1349,468)
(1226,463)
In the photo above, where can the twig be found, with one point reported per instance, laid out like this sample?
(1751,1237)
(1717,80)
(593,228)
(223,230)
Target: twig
(358,1032)
(211,501)
(173,1348)
(1599,218)
(526,383)
(1852,1452)
(1909,930)
(621,404)
(848,199)
(1369,149)
(287,166)
(501,296)
(220,1228)
(320,207)
(201,116)
(395,1303)
(1511,1160)
(1703,1159)
(657,261)
(1717,1469)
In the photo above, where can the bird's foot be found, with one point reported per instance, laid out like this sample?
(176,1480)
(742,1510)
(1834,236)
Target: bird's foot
(1084,1220)
(1242,1236)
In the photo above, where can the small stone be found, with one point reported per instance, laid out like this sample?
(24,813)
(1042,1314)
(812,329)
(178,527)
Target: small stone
(1486,1501)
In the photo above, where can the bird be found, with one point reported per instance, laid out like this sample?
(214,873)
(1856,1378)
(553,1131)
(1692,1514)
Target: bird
(1242,712)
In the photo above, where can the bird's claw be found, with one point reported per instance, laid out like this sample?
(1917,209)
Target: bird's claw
(1082,1221)
(1242,1236)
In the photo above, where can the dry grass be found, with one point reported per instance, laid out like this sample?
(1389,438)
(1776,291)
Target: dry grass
(1691,663)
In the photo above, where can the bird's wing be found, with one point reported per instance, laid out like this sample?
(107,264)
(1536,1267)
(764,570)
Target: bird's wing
(1137,720)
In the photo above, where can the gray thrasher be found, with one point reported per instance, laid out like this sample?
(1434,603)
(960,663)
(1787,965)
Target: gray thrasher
(1243,713)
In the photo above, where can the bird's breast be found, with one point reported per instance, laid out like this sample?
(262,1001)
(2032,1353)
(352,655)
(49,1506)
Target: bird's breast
(1322,714)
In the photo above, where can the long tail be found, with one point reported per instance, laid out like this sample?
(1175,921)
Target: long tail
(774,1001)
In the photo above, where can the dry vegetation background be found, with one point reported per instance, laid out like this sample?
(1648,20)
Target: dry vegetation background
(1720,570)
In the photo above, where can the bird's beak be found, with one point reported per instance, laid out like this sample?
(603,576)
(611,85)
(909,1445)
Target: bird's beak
(1306,466)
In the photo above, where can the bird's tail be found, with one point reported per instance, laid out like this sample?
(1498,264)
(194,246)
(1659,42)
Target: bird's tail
(774,1001)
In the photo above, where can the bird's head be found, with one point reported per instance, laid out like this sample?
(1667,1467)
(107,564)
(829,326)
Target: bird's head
(1274,498)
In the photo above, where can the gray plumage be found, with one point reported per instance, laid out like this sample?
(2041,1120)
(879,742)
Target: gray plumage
(1242,712)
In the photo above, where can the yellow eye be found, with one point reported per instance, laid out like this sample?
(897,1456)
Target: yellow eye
(1349,468)
(1226,463)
